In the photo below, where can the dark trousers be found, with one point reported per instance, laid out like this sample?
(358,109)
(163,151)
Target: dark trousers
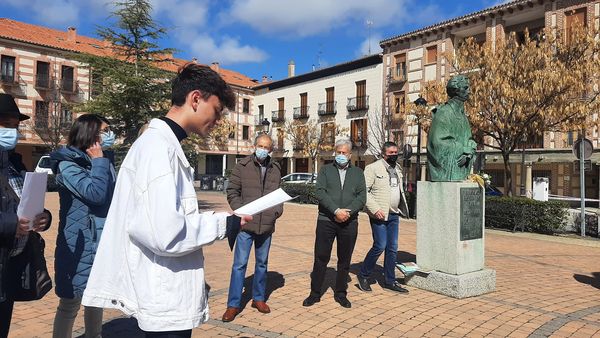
(6,310)
(169,334)
(327,232)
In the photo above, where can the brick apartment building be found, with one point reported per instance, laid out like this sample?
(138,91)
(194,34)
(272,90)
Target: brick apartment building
(36,68)
(413,58)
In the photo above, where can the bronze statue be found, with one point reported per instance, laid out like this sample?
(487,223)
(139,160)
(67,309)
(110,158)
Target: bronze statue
(450,144)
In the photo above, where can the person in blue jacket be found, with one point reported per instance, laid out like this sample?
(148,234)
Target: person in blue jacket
(86,179)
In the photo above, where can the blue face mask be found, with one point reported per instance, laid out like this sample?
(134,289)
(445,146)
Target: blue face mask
(261,154)
(8,138)
(342,160)
(107,139)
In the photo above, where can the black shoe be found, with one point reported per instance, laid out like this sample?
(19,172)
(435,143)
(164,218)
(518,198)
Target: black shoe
(395,287)
(363,284)
(310,301)
(343,301)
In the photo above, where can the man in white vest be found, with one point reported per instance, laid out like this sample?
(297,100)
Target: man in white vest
(149,263)
(385,203)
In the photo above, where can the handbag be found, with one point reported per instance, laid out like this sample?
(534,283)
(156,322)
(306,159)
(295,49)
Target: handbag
(31,280)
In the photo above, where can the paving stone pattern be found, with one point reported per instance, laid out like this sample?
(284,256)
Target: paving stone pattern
(546,286)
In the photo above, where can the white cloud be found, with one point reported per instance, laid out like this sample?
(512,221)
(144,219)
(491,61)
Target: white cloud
(227,51)
(182,13)
(311,17)
(53,13)
(363,49)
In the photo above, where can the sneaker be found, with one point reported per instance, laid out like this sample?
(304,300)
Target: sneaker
(396,287)
(363,284)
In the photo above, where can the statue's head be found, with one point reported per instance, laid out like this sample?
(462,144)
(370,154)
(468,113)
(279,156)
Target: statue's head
(458,86)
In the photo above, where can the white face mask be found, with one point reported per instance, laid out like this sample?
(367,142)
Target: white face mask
(8,138)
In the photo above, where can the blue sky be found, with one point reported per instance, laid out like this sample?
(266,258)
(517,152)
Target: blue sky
(259,37)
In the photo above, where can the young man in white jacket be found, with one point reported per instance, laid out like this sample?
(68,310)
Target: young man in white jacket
(149,263)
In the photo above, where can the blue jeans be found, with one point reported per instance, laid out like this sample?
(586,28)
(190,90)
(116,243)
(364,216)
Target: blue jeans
(262,244)
(385,237)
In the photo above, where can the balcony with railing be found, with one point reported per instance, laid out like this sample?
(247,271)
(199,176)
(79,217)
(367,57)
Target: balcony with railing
(398,78)
(258,120)
(42,81)
(9,79)
(327,108)
(358,103)
(328,141)
(278,146)
(278,115)
(299,146)
(301,112)
(68,85)
(359,142)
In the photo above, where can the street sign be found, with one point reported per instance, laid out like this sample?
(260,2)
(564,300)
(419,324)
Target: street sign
(588,148)
(587,166)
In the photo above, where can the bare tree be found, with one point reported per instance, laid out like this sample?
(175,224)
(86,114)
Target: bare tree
(312,138)
(53,116)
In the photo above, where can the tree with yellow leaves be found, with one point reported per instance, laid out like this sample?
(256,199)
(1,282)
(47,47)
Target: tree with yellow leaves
(311,138)
(521,89)
(217,139)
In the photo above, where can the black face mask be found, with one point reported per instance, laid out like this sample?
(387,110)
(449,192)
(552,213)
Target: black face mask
(391,159)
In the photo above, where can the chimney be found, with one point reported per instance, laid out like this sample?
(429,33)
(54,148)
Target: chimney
(215,66)
(195,60)
(291,68)
(264,79)
(71,34)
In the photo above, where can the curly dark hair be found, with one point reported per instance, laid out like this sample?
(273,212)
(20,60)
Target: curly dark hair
(193,76)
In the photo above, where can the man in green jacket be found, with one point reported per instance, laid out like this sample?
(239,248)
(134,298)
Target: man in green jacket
(342,194)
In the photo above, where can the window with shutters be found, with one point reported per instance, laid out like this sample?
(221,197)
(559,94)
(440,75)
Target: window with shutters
(431,56)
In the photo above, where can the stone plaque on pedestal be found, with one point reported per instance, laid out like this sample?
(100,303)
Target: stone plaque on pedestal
(450,239)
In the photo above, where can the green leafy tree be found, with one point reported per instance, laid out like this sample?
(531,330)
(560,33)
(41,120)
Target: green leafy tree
(130,84)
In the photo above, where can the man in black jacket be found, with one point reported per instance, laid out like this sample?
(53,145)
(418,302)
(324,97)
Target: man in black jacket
(13,230)
(342,194)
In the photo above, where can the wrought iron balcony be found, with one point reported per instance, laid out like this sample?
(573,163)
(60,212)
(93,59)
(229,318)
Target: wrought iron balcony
(67,85)
(301,112)
(398,78)
(42,81)
(298,146)
(359,142)
(278,115)
(8,79)
(327,108)
(258,120)
(358,103)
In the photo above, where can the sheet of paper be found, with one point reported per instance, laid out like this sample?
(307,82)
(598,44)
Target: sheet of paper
(32,197)
(267,201)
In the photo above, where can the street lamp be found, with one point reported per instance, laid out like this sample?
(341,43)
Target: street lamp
(265,123)
(419,102)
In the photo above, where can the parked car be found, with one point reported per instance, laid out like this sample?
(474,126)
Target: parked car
(302,178)
(43,165)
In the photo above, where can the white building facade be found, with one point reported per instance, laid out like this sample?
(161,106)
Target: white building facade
(348,95)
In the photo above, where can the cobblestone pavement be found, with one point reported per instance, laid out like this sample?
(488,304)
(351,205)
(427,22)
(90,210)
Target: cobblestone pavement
(546,286)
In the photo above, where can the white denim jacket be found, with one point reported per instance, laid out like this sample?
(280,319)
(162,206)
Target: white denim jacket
(149,263)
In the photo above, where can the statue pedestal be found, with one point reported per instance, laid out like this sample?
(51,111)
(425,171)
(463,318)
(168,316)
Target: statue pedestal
(450,240)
